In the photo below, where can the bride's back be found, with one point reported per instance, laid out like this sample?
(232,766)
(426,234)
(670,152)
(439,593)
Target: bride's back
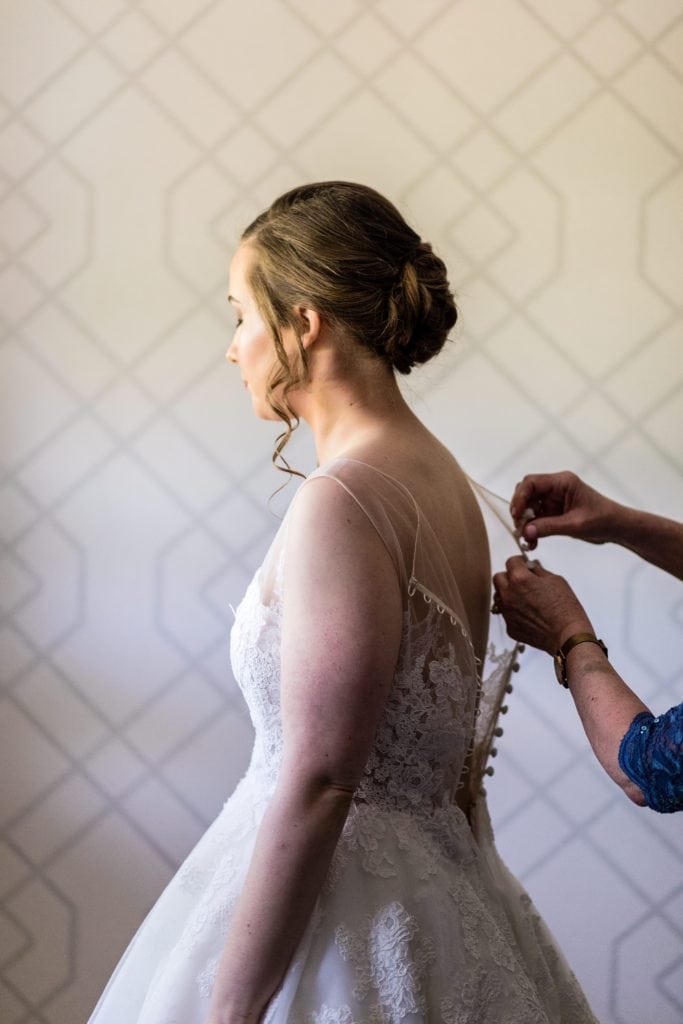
(444,496)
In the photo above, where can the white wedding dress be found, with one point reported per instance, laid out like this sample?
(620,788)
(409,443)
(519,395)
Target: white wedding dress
(418,920)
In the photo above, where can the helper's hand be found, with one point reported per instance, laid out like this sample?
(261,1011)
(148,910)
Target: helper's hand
(563,504)
(539,608)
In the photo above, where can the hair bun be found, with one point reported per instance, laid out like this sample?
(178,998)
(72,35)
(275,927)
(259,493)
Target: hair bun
(421,310)
(346,251)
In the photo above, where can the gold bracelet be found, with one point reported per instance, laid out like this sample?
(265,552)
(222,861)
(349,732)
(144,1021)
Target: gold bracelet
(560,658)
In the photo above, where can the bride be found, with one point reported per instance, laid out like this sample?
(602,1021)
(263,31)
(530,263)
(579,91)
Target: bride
(351,878)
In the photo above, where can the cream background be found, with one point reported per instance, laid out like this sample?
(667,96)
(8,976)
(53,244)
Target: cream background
(538,144)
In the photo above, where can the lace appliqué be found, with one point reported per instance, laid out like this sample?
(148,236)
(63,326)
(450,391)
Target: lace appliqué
(389,959)
(331,1015)
(207,979)
(215,905)
(385,844)
(422,740)
(341,1015)
(549,968)
(255,658)
(364,835)
(478,1001)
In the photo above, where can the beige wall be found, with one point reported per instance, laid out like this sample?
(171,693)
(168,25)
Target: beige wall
(538,144)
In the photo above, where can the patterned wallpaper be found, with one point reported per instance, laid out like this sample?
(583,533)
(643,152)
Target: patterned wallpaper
(538,144)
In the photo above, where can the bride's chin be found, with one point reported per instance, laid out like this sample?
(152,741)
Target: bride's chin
(263,410)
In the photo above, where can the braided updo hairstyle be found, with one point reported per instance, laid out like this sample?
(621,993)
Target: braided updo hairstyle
(346,251)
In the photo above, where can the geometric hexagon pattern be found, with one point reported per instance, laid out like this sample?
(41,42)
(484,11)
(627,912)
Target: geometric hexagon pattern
(540,147)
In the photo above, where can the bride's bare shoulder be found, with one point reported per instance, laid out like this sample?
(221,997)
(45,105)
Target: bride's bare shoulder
(416,459)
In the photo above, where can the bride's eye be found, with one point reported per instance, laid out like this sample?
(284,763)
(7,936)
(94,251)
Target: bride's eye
(238,323)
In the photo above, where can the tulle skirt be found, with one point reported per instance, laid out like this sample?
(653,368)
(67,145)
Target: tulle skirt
(418,921)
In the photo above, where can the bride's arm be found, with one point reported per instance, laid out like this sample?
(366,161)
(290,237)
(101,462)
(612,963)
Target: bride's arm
(340,640)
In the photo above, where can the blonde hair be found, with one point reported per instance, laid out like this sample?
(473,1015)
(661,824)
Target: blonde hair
(345,251)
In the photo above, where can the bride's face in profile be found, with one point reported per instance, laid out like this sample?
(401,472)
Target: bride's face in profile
(252,348)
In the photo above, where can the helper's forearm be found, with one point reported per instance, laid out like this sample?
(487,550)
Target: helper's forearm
(606,706)
(294,847)
(654,538)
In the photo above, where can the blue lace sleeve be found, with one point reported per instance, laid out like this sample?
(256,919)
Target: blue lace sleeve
(651,754)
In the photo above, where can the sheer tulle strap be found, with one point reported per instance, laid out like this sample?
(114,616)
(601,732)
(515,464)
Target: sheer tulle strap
(407,492)
(391,509)
(375,514)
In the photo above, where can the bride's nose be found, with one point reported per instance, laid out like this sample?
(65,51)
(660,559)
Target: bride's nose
(231,354)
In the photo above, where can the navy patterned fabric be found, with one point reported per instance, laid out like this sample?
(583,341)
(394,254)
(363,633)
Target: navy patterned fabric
(651,754)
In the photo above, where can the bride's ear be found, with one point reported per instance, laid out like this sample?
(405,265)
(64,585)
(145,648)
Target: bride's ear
(311,324)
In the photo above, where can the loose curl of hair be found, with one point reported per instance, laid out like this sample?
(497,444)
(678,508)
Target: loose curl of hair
(345,251)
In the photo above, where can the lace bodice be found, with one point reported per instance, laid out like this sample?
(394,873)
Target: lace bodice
(428,727)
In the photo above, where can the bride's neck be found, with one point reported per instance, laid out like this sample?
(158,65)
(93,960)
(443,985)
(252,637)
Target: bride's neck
(349,411)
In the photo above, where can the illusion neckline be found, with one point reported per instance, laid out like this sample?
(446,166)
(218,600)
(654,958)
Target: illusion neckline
(413,583)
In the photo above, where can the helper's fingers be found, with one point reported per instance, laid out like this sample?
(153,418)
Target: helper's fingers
(519,569)
(500,583)
(551,526)
(528,490)
(542,492)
